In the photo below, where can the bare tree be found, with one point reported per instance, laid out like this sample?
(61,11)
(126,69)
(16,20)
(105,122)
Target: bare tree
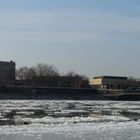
(31,73)
(78,80)
(22,73)
(46,70)
(40,70)
(71,74)
(43,74)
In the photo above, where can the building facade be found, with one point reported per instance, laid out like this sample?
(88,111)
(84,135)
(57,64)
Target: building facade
(7,72)
(110,82)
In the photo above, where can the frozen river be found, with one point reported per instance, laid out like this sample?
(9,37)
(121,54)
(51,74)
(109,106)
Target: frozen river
(69,120)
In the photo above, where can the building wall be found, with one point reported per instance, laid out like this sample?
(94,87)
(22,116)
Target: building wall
(96,81)
(114,83)
(7,72)
(110,82)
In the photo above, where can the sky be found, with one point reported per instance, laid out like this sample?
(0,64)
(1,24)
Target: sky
(89,37)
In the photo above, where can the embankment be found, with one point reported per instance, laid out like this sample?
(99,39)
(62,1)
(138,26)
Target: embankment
(47,93)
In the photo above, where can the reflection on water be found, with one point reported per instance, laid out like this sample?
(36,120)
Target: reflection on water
(71,120)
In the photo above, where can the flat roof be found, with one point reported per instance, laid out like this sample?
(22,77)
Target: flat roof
(111,77)
(6,62)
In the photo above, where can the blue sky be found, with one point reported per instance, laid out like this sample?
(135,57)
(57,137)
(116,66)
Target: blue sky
(90,37)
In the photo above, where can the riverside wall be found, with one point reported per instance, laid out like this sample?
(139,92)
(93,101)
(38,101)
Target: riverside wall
(46,93)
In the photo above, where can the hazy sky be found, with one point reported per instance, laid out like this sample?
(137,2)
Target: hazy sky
(91,37)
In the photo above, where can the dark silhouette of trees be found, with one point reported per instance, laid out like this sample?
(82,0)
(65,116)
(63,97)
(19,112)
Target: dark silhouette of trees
(78,80)
(46,70)
(40,70)
(48,75)
(22,73)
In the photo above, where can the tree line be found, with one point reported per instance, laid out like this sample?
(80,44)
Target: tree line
(48,75)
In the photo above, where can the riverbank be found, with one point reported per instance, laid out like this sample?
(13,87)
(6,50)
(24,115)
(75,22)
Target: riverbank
(47,93)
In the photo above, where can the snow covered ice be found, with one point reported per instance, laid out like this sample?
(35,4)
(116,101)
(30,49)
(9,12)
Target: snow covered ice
(69,120)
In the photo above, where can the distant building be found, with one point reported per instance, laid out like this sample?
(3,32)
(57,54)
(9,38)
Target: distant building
(7,72)
(137,83)
(109,82)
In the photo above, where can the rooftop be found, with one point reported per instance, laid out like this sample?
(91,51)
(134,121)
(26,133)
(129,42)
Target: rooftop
(111,77)
(4,62)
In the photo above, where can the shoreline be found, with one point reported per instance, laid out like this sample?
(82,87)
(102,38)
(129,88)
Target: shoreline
(59,93)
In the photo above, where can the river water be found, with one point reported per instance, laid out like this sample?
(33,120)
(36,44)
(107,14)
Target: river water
(69,120)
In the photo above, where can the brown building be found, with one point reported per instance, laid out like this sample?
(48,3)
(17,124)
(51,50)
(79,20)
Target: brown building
(7,72)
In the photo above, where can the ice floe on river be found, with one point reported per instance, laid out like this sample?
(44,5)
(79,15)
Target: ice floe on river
(72,120)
